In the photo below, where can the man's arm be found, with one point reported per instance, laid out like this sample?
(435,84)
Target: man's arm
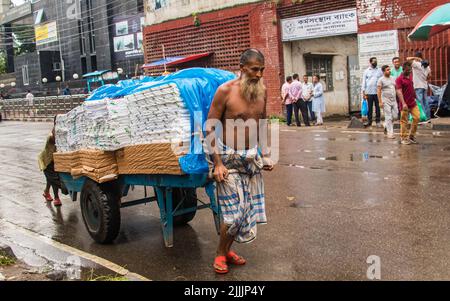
(380,100)
(284,94)
(363,85)
(216,112)
(295,92)
(413,58)
(428,73)
(401,98)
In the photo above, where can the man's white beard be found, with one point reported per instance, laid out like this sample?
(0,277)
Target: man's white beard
(250,91)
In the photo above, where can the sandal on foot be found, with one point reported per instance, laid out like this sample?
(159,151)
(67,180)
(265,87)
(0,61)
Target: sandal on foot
(57,202)
(234,258)
(47,197)
(220,265)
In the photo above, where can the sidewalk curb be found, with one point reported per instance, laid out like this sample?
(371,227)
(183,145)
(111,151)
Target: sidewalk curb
(44,119)
(66,249)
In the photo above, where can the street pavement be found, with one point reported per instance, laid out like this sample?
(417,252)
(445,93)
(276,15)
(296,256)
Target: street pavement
(336,197)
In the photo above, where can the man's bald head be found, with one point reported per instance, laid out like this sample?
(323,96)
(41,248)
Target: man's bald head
(251,55)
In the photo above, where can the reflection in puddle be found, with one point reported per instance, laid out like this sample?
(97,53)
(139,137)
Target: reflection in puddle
(300,205)
(355,157)
(348,139)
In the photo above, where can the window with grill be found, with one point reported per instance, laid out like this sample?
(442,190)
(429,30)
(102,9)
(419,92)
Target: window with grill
(321,65)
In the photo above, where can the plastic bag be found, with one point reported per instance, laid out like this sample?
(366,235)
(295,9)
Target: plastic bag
(423,116)
(364,108)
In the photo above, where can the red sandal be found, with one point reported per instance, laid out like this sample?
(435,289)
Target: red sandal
(48,197)
(57,202)
(220,265)
(234,258)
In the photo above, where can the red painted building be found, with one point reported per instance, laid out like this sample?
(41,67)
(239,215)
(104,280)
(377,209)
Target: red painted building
(225,34)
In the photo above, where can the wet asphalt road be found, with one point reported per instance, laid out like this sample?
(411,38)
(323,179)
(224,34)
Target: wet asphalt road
(336,197)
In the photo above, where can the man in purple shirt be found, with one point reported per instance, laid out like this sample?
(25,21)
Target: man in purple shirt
(286,99)
(296,92)
(407,96)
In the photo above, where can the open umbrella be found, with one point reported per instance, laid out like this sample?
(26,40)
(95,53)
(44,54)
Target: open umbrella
(436,21)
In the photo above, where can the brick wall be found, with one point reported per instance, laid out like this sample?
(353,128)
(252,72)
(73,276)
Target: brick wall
(265,35)
(288,9)
(403,15)
(226,33)
(377,15)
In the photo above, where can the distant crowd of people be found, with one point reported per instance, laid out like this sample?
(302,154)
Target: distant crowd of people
(304,97)
(398,90)
(395,89)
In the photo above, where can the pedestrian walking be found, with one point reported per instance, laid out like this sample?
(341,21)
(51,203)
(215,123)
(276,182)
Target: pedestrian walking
(369,91)
(299,104)
(287,100)
(421,76)
(46,164)
(240,185)
(396,71)
(307,91)
(318,102)
(67,91)
(407,96)
(388,100)
(30,99)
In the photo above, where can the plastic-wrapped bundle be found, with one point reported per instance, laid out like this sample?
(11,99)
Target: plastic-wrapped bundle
(76,128)
(62,133)
(96,117)
(161,111)
(159,115)
(117,132)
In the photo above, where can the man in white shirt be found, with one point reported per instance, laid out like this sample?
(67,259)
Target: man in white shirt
(421,76)
(296,92)
(369,90)
(30,98)
(307,92)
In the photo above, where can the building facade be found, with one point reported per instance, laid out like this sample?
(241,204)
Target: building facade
(333,39)
(381,18)
(53,40)
(223,29)
(320,38)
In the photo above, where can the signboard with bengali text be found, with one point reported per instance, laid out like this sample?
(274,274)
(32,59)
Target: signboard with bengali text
(320,25)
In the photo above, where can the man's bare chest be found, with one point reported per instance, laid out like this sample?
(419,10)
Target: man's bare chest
(241,109)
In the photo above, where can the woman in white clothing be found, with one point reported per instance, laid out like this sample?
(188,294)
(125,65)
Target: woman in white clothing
(318,103)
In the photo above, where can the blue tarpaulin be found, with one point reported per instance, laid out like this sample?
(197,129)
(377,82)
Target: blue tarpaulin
(197,87)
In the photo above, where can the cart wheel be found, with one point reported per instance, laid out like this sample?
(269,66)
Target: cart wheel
(190,200)
(100,207)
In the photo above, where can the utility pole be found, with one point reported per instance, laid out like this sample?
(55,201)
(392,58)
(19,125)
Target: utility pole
(63,71)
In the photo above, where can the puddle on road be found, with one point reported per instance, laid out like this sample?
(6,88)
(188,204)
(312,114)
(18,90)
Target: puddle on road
(304,167)
(355,157)
(348,139)
(300,205)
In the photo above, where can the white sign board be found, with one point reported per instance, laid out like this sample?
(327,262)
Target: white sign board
(380,41)
(320,25)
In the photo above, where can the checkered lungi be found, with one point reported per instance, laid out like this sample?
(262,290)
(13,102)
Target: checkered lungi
(241,195)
